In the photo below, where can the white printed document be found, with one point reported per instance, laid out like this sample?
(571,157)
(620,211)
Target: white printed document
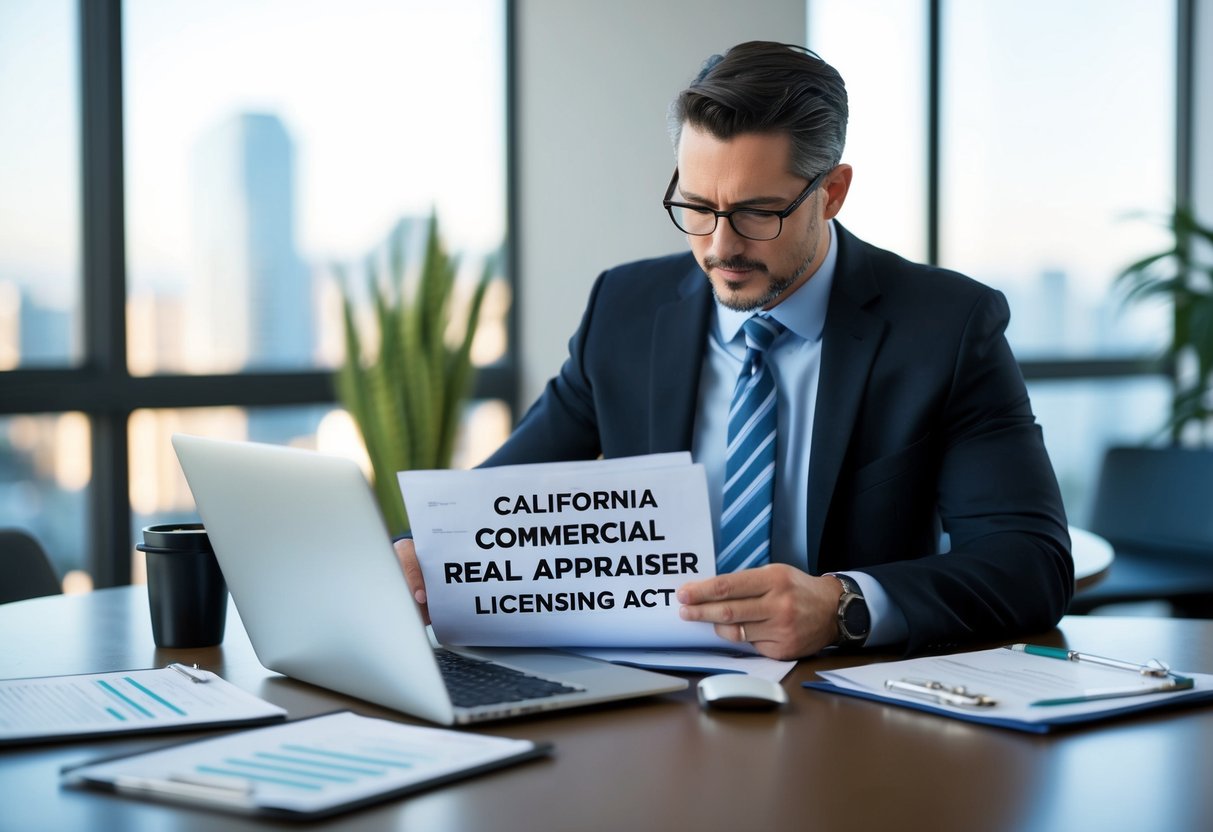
(304,769)
(129,701)
(585,554)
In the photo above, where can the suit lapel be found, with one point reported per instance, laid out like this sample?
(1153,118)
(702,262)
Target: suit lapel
(850,339)
(679,334)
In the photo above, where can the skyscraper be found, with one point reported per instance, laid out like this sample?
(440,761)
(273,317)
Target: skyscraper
(250,294)
(250,297)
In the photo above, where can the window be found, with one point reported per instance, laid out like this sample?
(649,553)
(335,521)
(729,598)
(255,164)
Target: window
(45,474)
(249,179)
(39,185)
(260,145)
(1037,182)
(1082,417)
(1044,178)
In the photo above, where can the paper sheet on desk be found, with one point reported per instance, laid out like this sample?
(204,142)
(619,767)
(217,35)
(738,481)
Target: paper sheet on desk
(131,701)
(1014,680)
(695,661)
(584,554)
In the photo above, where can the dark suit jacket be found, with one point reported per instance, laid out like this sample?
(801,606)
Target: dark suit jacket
(922,418)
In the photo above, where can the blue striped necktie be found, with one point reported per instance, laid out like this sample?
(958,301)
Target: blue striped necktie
(745,518)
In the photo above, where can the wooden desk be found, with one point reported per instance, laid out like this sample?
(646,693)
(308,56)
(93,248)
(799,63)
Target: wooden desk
(824,762)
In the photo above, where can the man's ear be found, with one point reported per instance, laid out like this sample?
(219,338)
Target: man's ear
(836,186)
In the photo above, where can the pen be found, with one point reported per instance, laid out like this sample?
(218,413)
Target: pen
(1155,669)
(1152,668)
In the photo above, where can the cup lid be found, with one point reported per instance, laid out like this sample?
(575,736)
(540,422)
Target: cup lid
(187,537)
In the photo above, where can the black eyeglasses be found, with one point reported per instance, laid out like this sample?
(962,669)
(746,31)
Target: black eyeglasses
(751,223)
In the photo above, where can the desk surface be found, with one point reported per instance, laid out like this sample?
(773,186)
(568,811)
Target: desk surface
(824,762)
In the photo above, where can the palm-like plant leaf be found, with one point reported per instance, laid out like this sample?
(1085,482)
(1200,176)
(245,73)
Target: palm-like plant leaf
(1176,274)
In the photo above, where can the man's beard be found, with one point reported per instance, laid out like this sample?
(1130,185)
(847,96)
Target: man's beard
(776,284)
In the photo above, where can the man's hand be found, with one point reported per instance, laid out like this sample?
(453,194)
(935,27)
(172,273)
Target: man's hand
(784,612)
(406,553)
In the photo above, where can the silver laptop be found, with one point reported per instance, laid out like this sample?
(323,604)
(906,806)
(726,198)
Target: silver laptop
(311,569)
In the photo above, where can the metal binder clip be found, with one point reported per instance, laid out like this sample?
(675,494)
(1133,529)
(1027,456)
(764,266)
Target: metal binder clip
(1156,668)
(941,693)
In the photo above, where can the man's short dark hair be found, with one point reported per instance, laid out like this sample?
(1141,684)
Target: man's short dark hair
(765,87)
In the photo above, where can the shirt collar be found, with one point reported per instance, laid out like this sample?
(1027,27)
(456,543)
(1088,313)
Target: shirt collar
(803,311)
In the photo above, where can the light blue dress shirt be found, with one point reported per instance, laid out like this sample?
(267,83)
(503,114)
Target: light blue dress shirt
(795,361)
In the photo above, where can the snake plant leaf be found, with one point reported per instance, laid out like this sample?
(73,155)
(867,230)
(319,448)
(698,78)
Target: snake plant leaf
(458,375)
(407,394)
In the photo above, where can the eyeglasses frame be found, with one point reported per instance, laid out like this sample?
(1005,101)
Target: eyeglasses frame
(670,205)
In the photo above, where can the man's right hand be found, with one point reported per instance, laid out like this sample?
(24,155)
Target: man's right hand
(406,553)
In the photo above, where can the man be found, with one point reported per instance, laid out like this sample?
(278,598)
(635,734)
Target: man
(848,406)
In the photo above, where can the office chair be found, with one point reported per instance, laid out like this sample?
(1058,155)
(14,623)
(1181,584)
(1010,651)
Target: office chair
(1155,506)
(25,570)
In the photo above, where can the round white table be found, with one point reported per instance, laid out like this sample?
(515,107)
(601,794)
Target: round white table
(1092,557)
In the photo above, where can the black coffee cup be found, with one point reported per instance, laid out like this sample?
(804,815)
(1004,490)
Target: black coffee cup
(185,588)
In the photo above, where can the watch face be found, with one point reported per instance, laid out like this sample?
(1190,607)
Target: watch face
(856,617)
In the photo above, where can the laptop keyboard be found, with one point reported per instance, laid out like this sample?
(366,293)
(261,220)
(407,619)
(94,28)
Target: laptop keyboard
(473,682)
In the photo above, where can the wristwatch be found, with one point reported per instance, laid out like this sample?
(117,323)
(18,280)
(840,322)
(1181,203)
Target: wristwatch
(854,619)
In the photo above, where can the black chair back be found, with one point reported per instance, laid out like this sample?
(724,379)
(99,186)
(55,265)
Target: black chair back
(1156,499)
(25,570)
(1155,506)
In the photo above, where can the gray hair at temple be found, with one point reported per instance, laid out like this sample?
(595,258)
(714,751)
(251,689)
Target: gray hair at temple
(765,87)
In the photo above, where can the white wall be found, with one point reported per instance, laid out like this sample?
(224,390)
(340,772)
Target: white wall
(594,81)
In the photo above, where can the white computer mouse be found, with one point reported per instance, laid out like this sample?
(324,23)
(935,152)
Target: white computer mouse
(738,690)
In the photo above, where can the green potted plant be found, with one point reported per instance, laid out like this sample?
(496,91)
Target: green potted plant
(404,382)
(1183,275)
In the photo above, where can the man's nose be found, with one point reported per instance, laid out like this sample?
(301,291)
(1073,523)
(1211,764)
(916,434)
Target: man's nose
(726,242)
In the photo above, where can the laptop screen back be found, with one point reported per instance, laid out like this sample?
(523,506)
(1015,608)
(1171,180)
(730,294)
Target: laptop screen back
(311,570)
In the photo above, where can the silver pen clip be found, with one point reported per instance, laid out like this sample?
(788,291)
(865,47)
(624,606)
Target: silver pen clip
(1153,667)
(192,675)
(941,693)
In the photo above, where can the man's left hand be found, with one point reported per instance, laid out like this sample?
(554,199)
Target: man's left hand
(784,612)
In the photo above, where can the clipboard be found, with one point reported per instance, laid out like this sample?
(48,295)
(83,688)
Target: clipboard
(1021,689)
(84,706)
(304,769)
